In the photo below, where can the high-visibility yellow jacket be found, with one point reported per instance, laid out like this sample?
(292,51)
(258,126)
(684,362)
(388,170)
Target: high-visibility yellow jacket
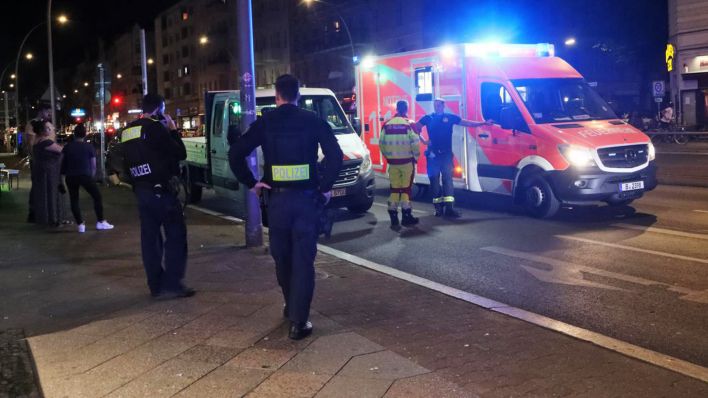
(398,142)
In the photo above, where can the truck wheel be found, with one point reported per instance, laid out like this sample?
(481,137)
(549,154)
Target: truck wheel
(539,200)
(195,193)
(361,207)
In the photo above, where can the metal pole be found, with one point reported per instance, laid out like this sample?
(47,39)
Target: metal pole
(51,63)
(7,111)
(102,99)
(254,229)
(17,76)
(143,61)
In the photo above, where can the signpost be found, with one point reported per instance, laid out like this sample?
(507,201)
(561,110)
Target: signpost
(658,89)
(102,130)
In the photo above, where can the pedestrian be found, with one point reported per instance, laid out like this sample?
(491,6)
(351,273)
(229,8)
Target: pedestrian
(153,149)
(28,137)
(439,155)
(46,175)
(79,168)
(667,117)
(295,191)
(400,146)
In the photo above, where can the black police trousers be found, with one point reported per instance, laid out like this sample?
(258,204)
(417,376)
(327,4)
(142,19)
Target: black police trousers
(164,259)
(292,219)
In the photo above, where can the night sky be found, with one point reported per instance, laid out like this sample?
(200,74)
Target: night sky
(636,26)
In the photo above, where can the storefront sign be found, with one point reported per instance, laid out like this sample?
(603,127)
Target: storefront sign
(669,57)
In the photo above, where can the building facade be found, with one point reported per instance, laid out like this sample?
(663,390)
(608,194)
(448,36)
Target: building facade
(123,59)
(688,33)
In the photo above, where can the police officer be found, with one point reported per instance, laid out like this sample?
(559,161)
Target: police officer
(400,146)
(439,155)
(289,137)
(152,150)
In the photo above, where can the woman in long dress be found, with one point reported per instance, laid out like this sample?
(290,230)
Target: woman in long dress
(46,174)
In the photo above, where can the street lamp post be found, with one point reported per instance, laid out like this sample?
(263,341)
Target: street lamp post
(17,76)
(51,61)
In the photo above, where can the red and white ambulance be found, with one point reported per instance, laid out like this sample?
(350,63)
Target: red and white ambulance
(554,140)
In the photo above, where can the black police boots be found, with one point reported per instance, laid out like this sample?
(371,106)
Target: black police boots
(449,211)
(300,330)
(438,209)
(407,219)
(394,218)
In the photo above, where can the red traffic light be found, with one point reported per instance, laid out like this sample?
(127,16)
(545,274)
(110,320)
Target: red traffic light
(117,100)
(77,119)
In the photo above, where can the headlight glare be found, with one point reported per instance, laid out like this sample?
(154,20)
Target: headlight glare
(577,156)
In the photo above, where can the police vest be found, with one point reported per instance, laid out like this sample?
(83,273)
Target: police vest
(398,142)
(144,164)
(290,158)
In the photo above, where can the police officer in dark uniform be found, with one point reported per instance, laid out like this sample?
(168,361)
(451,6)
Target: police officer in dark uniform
(152,150)
(296,191)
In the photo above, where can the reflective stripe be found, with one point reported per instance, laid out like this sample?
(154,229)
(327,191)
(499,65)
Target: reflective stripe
(298,172)
(437,200)
(130,133)
(448,199)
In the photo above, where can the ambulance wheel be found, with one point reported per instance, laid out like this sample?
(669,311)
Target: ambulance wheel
(361,207)
(539,200)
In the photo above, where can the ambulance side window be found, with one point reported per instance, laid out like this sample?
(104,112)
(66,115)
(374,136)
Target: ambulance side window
(494,97)
(424,83)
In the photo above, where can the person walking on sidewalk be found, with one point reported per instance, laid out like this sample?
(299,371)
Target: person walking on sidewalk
(439,155)
(79,168)
(289,137)
(400,146)
(153,149)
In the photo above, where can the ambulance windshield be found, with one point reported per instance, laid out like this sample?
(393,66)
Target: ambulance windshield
(323,105)
(562,100)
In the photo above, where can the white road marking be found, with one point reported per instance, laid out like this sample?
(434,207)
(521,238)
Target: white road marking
(414,210)
(633,351)
(701,211)
(204,210)
(567,273)
(665,361)
(662,230)
(635,249)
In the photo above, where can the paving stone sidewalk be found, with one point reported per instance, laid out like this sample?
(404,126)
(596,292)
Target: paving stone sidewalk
(93,331)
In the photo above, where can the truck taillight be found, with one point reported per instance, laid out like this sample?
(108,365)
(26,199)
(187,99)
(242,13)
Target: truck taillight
(457,172)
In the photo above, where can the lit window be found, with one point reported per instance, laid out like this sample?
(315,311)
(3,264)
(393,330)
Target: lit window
(185,16)
(424,83)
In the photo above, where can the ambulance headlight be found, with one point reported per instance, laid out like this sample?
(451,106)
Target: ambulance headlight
(652,152)
(577,156)
(365,164)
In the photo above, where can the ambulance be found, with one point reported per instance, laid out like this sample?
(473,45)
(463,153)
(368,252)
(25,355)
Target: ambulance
(554,141)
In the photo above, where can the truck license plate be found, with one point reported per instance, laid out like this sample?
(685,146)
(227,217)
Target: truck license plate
(339,192)
(631,186)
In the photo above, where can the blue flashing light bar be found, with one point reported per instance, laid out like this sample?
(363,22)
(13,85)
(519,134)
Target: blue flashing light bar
(509,50)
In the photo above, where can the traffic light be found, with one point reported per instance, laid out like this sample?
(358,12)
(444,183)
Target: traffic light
(117,100)
(78,120)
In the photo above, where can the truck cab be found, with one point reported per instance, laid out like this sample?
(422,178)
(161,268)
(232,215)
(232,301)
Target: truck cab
(207,157)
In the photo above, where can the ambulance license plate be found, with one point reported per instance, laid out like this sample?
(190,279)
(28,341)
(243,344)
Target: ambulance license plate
(339,192)
(631,186)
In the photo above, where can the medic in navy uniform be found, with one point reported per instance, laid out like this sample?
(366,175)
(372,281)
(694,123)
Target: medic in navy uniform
(289,137)
(152,150)
(440,157)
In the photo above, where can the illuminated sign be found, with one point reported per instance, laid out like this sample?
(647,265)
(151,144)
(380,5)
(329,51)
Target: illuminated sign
(670,57)
(78,112)
(134,111)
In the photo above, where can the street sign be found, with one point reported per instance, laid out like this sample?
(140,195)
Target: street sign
(659,99)
(658,88)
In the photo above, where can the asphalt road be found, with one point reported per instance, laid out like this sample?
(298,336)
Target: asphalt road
(638,274)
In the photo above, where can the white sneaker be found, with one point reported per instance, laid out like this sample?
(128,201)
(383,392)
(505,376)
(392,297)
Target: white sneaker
(82,228)
(103,225)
